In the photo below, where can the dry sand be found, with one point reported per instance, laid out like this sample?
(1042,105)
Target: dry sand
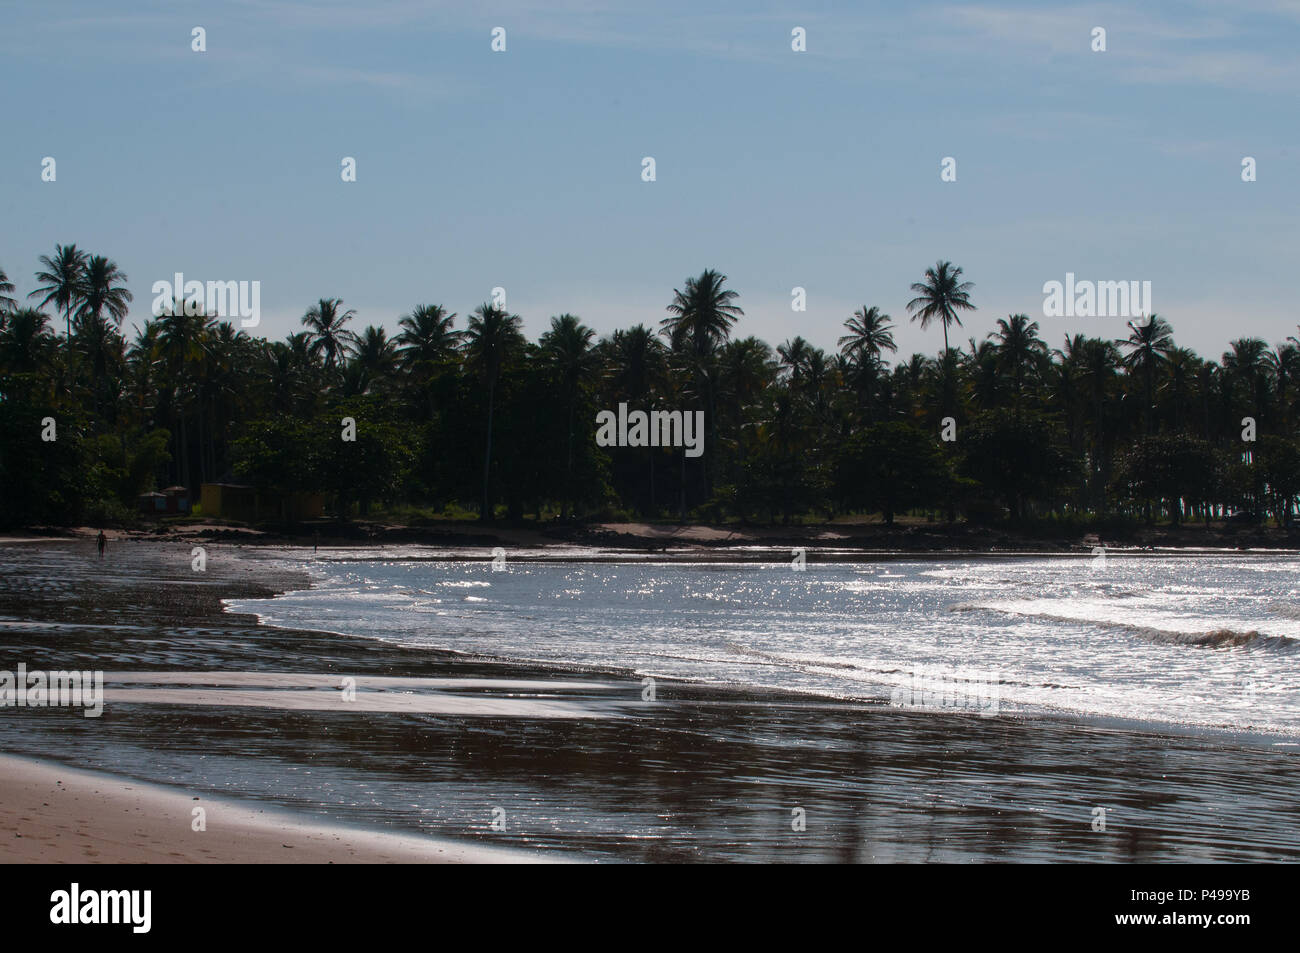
(54,814)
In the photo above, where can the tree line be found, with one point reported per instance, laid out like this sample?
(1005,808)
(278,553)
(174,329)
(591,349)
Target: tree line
(455,416)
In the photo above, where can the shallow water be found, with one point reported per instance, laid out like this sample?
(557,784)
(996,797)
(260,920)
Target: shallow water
(1209,642)
(704,772)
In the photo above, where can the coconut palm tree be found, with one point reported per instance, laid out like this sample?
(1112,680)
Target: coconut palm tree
(636,363)
(1098,361)
(1245,363)
(492,338)
(939,296)
(181,334)
(63,276)
(1283,363)
(327,335)
(6,286)
(1182,367)
(375,356)
(794,356)
(701,316)
(1148,349)
(1020,351)
(566,349)
(700,320)
(103,288)
(870,335)
(984,374)
(24,340)
(427,343)
(636,370)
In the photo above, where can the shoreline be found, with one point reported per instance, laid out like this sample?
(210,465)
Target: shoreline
(53,813)
(719,743)
(597,541)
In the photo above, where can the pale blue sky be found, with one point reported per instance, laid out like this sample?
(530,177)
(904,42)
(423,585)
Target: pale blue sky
(522,169)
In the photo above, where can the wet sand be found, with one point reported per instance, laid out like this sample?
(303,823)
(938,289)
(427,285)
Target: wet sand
(53,814)
(699,773)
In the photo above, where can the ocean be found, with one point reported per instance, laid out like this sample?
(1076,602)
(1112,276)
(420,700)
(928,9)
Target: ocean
(953,709)
(1208,642)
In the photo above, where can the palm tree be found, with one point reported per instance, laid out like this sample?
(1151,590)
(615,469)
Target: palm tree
(794,355)
(567,349)
(427,336)
(24,338)
(940,296)
(63,274)
(326,332)
(1019,350)
(700,320)
(984,374)
(1148,347)
(636,370)
(1182,367)
(870,335)
(181,334)
(374,355)
(6,286)
(701,317)
(103,288)
(426,344)
(1098,360)
(1246,362)
(636,362)
(493,336)
(1283,363)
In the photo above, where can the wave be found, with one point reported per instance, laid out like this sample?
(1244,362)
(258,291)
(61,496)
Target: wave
(1212,638)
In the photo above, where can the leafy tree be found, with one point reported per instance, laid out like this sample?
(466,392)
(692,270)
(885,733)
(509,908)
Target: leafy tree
(1019,459)
(891,467)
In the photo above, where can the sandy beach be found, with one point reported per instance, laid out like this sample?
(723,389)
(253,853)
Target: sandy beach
(53,814)
(436,746)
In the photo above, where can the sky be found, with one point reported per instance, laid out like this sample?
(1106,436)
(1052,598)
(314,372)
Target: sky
(522,168)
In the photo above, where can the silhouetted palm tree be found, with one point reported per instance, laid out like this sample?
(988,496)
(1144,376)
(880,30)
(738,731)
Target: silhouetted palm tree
(700,320)
(24,339)
(870,335)
(940,296)
(1099,360)
(702,315)
(6,286)
(794,356)
(326,332)
(492,337)
(567,349)
(373,350)
(1245,363)
(103,288)
(1020,351)
(63,277)
(1148,348)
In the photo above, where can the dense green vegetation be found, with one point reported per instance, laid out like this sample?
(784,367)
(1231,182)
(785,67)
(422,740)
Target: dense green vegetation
(475,416)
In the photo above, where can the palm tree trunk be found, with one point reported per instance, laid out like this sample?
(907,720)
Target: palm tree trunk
(568,469)
(487,450)
(681,511)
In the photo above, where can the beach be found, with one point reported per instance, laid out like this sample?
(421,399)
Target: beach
(52,814)
(460,754)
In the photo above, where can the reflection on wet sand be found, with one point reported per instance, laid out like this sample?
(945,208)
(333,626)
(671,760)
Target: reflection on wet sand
(699,773)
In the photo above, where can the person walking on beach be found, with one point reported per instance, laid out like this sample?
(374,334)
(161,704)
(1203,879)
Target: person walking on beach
(101,541)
